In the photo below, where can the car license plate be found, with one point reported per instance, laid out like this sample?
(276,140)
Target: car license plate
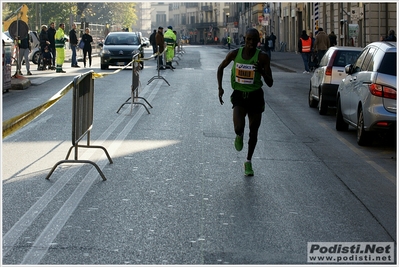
(120,63)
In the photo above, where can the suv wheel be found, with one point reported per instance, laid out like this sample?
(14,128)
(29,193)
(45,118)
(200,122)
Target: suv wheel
(104,66)
(323,107)
(363,137)
(340,124)
(311,100)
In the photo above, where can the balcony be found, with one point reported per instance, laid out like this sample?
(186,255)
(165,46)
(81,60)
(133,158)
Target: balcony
(191,4)
(207,8)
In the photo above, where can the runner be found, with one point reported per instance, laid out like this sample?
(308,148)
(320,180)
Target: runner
(250,64)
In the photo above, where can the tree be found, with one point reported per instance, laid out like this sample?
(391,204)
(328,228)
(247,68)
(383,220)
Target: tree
(120,13)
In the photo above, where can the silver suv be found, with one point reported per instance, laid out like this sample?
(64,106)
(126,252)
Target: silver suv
(326,78)
(366,98)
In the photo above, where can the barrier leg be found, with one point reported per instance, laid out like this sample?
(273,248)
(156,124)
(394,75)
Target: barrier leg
(76,161)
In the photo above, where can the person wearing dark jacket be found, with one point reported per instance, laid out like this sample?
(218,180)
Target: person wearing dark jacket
(391,37)
(153,42)
(160,41)
(51,37)
(333,39)
(24,50)
(305,48)
(44,41)
(87,39)
(73,42)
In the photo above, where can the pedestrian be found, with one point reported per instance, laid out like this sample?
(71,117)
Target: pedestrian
(24,50)
(73,42)
(391,36)
(44,41)
(267,48)
(170,40)
(321,44)
(87,39)
(312,38)
(249,66)
(60,40)
(153,42)
(228,41)
(47,58)
(51,37)
(333,39)
(305,48)
(160,42)
(273,39)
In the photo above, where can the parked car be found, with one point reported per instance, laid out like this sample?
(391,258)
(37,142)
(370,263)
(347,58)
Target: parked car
(327,77)
(118,49)
(366,98)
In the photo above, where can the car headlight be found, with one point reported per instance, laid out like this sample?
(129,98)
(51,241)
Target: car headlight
(105,52)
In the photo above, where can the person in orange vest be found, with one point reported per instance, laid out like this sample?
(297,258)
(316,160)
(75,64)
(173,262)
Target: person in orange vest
(305,48)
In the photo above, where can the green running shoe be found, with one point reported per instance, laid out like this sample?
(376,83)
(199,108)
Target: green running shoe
(248,169)
(239,143)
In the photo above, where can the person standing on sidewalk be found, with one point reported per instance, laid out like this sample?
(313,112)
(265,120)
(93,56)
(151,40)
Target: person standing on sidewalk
(44,41)
(87,39)
(249,66)
(73,42)
(333,39)
(153,42)
(321,44)
(305,48)
(160,42)
(51,37)
(24,50)
(170,40)
(228,41)
(60,47)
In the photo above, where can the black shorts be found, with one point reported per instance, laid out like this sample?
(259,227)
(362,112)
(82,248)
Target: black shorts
(252,102)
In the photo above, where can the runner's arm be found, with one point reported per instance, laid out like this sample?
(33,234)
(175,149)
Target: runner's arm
(230,57)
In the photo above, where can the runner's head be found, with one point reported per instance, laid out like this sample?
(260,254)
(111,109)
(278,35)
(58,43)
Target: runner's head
(252,38)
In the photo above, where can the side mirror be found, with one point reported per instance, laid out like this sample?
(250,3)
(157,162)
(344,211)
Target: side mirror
(100,45)
(348,69)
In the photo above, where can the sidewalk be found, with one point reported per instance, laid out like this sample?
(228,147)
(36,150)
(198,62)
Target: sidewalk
(19,82)
(286,61)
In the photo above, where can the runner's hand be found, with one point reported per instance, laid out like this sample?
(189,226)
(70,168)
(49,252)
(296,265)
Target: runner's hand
(221,92)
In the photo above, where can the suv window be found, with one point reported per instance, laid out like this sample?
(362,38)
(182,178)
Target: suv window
(325,58)
(368,64)
(358,63)
(388,64)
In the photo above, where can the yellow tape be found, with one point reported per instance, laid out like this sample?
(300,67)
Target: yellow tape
(14,124)
(17,122)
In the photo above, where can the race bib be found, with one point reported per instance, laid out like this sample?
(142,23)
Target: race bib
(245,73)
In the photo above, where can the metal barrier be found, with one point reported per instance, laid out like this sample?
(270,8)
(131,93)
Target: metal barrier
(159,66)
(135,86)
(82,119)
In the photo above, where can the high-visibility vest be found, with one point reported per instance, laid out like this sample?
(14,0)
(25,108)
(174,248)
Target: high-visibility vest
(306,45)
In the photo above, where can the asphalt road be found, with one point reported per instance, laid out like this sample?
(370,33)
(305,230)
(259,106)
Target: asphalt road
(175,192)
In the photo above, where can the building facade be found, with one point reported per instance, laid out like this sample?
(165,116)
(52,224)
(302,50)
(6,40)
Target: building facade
(354,23)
